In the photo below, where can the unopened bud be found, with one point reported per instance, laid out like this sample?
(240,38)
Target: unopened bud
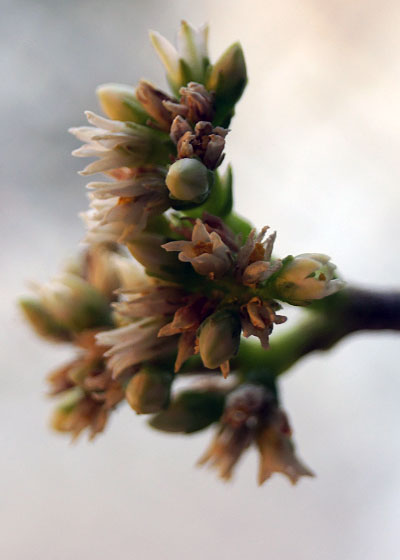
(148,391)
(228,79)
(147,250)
(152,100)
(190,412)
(219,338)
(119,103)
(75,304)
(305,278)
(189,180)
(42,321)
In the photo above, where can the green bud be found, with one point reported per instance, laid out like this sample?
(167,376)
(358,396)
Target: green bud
(148,391)
(228,78)
(42,321)
(75,304)
(147,250)
(305,278)
(219,338)
(190,412)
(119,102)
(189,180)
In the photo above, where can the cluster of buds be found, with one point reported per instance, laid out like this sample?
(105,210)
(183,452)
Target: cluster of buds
(207,281)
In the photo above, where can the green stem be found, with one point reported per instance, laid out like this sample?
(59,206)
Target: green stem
(327,323)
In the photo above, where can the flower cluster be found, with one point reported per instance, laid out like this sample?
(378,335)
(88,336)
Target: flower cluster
(208,279)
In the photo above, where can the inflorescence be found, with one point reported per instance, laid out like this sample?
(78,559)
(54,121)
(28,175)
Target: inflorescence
(203,278)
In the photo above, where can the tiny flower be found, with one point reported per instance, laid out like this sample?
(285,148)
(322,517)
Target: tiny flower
(219,339)
(135,343)
(307,277)
(252,417)
(42,321)
(99,265)
(149,390)
(87,389)
(196,104)
(188,180)
(205,142)
(254,258)
(244,411)
(277,453)
(207,253)
(74,304)
(187,319)
(190,61)
(258,318)
(119,144)
(150,301)
(228,78)
(152,100)
(120,210)
(119,102)
(83,413)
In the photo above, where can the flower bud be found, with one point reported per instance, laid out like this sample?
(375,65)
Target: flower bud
(305,278)
(42,321)
(219,338)
(152,100)
(148,391)
(190,412)
(147,250)
(190,61)
(228,79)
(192,44)
(189,180)
(119,103)
(75,304)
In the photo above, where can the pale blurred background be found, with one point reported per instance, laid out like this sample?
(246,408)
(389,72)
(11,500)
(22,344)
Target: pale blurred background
(315,149)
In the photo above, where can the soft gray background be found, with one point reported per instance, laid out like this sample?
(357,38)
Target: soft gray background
(315,149)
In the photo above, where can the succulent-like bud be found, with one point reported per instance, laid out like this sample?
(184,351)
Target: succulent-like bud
(190,61)
(305,278)
(188,180)
(42,321)
(75,304)
(192,44)
(152,100)
(190,412)
(148,391)
(219,338)
(118,101)
(228,78)
(147,250)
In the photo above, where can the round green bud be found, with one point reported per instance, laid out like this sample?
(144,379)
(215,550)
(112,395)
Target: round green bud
(219,338)
(148,391)
(188,179)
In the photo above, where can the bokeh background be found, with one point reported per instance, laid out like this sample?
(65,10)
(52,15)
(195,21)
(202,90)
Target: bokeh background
(315,148)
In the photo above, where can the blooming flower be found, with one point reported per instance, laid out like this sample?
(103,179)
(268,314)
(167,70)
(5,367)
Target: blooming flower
(207,253)
(252,417)
(134,343)
(119,144)
(120,210)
